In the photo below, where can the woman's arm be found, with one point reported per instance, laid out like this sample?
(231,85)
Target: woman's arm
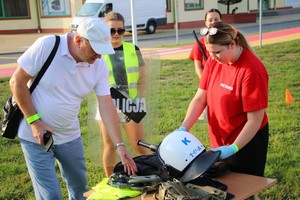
(198,68)
(254,120)
(196,107)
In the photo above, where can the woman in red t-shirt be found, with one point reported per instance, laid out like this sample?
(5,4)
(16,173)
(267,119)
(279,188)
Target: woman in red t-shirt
(211,16)
(234,87)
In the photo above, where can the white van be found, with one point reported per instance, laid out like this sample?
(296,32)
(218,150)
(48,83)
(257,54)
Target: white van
(148,14)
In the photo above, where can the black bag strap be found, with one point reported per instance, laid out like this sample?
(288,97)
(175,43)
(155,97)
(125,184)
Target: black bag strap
(200,46)
(46,64)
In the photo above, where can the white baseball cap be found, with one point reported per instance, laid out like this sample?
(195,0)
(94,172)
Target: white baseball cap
(97,32)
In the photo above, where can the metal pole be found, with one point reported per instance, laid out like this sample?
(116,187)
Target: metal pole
(260,21)
(176,20)
(248,8)
(38,17)
(133,25)
(228,5)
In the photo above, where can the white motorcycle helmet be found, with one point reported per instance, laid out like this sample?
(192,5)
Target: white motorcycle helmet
(182,151)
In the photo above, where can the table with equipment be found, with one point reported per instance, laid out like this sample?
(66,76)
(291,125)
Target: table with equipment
(242,186)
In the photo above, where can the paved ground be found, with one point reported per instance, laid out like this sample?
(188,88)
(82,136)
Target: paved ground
(18,43)
(182,52)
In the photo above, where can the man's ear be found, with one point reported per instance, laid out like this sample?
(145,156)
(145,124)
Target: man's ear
(77,40)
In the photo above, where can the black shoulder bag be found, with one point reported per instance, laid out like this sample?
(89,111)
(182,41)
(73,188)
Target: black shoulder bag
(12,115)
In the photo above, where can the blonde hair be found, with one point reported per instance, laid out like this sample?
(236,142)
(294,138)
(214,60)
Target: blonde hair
(225,34)
(114,16)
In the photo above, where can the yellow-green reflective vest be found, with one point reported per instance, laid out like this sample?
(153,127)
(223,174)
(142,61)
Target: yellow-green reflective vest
(103,191)
(132,69)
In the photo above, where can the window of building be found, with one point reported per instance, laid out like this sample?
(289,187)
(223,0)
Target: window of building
(55,8)
(14,9)
(168,5)
(193,4)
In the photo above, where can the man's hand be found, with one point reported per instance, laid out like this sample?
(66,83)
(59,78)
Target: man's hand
(226,151)
(38,129)
(129,165)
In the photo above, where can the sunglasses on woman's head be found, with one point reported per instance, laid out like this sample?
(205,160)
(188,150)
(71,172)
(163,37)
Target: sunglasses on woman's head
(119,31)
(213,31)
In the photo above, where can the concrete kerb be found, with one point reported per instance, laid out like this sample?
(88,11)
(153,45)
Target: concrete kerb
(265,21)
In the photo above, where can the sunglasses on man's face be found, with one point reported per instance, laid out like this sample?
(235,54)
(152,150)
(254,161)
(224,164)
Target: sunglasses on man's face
(213,31)
(119,31)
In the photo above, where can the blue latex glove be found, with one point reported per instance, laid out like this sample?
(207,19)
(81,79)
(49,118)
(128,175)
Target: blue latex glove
(181,128)
(226,151)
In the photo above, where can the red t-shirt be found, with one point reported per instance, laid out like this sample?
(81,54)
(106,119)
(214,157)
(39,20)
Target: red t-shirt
(232,91)
(196,52)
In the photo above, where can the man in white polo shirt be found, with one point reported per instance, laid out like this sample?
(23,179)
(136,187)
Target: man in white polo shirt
(76,70)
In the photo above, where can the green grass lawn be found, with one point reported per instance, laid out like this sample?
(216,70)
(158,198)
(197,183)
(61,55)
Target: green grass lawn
(176,85)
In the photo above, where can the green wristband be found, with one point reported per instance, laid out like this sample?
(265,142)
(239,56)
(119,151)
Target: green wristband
(33,118)
(235,147)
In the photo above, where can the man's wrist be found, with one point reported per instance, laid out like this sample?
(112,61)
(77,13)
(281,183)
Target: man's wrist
(119,144)
(33,118)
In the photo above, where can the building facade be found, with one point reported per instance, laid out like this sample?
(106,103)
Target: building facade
(53,16)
